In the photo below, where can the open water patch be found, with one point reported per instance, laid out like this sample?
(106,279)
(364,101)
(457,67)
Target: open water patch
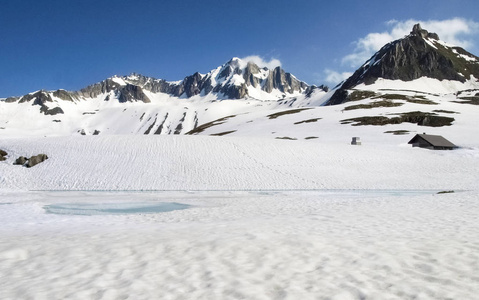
(91,209)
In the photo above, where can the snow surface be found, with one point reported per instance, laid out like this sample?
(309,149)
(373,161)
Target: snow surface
(228,163)
(281,207)
(423,84)
(385,234)
(119,80)
(243,245)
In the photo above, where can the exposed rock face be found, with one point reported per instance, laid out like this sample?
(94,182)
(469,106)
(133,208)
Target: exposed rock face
(40,98)
(249,72)
(285,82)
(150,84)
(191,86)
(54,111)
(92,91)
(64,95)
(12,99)
(420,54)
(130,93)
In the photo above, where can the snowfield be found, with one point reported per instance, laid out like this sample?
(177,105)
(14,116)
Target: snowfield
(290,219)
(231,163)
(243,245)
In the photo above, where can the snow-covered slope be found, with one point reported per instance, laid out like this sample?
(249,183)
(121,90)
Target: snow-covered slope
(381,117)
(133,162)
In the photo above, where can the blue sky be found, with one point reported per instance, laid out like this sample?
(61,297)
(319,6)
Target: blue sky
(71,44)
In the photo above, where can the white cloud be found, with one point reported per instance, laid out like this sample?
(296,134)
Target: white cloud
(260,62)
(455,31)
(333,77)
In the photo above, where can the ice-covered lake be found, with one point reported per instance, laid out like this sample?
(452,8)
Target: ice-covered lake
(147,202)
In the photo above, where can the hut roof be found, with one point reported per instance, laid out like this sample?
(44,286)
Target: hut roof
(434,140)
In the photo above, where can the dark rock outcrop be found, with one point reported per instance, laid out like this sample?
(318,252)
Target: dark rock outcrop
(35,160)
(191,86)
(21,161)
(51,112)
(12,99)
(64,95)
(2,155)
(32,161)
(106,86)
(40,98)
(131,93)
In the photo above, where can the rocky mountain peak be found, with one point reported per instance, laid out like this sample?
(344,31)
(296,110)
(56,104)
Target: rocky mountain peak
(418,31)
(420,54)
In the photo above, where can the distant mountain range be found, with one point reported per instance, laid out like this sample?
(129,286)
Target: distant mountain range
(413,68)
(236,79)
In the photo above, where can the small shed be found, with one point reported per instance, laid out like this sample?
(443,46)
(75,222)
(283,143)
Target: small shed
(356,141)
(433,142)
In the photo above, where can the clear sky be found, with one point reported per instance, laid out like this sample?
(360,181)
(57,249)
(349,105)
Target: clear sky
(71,44)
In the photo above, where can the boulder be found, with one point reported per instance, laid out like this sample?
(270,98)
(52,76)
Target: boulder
(20,161)
(2,155)
(35,160)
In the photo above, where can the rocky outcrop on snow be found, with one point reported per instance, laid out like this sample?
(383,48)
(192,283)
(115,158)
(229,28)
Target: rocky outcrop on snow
(420,54)
(130,93)
(32,161)
(2,155)
(51,111)
(42,98)
(38,98)
(36,159)
(64,95)
(22,160)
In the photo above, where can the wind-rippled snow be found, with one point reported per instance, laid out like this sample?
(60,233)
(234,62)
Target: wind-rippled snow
(400,241)
(244,245)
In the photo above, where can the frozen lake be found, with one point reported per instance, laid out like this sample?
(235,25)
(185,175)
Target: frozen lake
(149,202)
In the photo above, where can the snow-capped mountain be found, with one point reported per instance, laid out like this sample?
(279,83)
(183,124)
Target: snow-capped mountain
(420,55)
(410,83)
(137,104)
(236,79)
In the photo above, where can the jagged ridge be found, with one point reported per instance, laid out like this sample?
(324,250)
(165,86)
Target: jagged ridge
(234,80)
